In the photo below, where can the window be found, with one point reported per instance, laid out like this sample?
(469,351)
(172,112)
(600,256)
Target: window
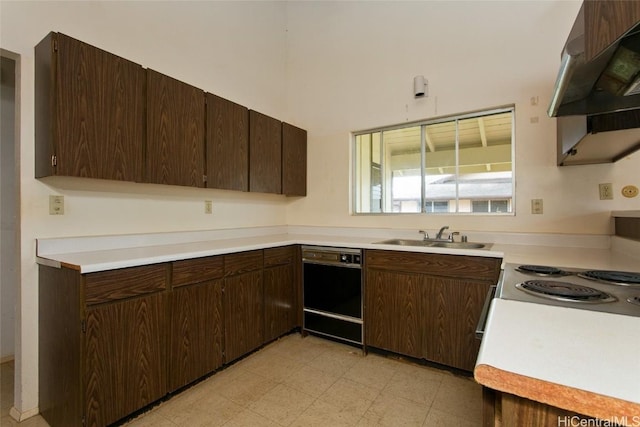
(460,164)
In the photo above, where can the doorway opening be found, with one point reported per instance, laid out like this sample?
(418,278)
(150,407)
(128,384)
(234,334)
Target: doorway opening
(9,209)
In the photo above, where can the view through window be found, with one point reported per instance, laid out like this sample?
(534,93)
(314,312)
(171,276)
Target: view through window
(459,164)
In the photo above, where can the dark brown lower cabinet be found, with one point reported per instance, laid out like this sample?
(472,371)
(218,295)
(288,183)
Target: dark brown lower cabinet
(452,309)
(112,342)
(102,343)
(124,357)
(504,409)
(243,304)
(426,305)
(196,332)
(60,340)
(279,295)
(393,314)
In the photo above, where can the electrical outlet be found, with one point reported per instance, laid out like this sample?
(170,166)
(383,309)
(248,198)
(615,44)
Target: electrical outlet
(606,191)
(208,207)
(536,206)
(56,205)
(630,191)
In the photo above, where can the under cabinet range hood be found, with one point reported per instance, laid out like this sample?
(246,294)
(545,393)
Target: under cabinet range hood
(597,100)
(607,83)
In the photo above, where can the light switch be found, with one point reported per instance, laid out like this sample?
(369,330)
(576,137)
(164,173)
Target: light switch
(536,206)
(56,205)
(606,191)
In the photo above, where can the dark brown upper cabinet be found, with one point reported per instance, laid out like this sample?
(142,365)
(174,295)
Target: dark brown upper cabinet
(89,112)
(606,21)
(294,160)
(175,132)
(227,144)
(265,153)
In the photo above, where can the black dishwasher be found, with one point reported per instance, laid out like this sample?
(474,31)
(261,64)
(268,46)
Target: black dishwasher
(332,292)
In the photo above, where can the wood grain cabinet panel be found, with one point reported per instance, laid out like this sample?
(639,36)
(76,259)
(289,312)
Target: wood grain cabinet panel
(124,283)
(426,305)
(279,292)
(125,368)
(605,21)
(89,112)
(504,409)
(243,314)
(175,132)
(60,338)
(278,256)
(451,310)
(191,271)
(227,144)
(393,311)
(279,309)
(265,153)
(294,160)
(101,358)
(196,332)
(243,304)
(455,266)
(243,262)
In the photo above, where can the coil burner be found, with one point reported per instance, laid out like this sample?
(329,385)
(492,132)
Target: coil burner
(541,270)
(564,291)
(623,278)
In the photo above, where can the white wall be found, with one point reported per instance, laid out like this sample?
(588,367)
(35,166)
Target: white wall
(233,49)
(351,67)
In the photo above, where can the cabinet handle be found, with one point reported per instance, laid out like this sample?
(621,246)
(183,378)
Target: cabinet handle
(485,311)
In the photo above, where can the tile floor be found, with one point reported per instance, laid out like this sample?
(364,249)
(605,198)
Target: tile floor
(313,382)
(6,400)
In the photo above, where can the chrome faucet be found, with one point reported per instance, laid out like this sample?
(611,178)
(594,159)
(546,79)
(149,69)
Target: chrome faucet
(426,235)
(439,235)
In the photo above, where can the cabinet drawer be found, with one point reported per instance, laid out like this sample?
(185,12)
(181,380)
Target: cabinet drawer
(124,283)
(278,256)
(197,270)
(456,266)
(242,262)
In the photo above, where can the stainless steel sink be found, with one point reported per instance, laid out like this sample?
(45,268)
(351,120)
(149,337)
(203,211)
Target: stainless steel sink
(433,244)
(404,242)
(458,245)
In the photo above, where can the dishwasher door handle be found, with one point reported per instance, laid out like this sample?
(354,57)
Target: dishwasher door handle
(485,311)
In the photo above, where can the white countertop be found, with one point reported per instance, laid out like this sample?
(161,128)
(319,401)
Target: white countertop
(87,261)
(99,253)
(586,350)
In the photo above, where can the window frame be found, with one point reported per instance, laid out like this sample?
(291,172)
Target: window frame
(423,123)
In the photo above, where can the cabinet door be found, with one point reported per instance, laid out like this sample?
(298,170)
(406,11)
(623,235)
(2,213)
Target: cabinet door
(393,311)
(606,21)
(90,114)
(196,332)
(452,310)
(175,132)
(265,154)
(243,314)
(294,160)
(227,144)
(125,359)
(279,313)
